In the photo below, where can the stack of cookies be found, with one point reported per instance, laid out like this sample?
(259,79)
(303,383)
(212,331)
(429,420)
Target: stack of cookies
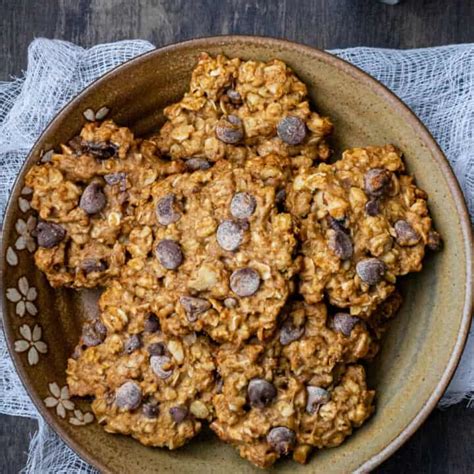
(245,280)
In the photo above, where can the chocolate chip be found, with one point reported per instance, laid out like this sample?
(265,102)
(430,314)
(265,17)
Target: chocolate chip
(117,178)
(280,196)
(344,323)
(371,270)
(93,199)
(90,265)
(289,332)
(229,235)
(234,96)
(406,235)
(151,409)
(101,150)
(230,130)
(317,396)
(178,413)
(152,323)
(230,303)
(133,343)
(260,393)
(281,439)
(376,181)
(337,225)
(435,242)
(372,207)
(49,234)
(128,396)
(242,205)
(244,282)
(165,210)
(169,254)
(291,130)
(93,333)
(195,164)
(156,348)
(194,306)
(157,362)
(341,244)
(76,145)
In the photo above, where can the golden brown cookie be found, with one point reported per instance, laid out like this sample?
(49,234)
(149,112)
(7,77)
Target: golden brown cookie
(272,391)
(155,388)
(363,222)
(223,251)
(85,197)
(237,109)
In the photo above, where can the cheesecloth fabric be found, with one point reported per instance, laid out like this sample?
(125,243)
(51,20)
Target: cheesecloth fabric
(437,83)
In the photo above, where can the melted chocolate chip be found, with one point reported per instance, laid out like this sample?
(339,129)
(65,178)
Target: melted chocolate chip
(341,244)
(128,396)
(292,130)
(93,199)
(317,396)
(151,409)
(93,333)
(133,343)
(281,439)
(165,210)
(260,392)
(156,348)
(371,270)
(406,235)
(244,282)
(178,413)
(344,323)
(169,254)
(197,163)
(230,130)
(152,323)
(229,235)
(100,150)
(377,181)
(242,205)
(289,332)
(49,234)
(157,362)
(194,306)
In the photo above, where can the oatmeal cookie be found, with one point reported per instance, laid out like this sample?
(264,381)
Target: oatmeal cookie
(85,197)
(272,392)
(363,222)
(155,388)
(223,251)
(237,109)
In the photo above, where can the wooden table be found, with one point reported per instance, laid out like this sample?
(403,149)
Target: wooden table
(444,443)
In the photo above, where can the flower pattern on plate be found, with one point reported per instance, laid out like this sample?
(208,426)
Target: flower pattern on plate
(12,257)
(59,400)
(25,239)
(23,296)
(31,342)
(80,418)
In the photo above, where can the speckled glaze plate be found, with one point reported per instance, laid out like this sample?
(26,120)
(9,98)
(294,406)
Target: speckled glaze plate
(424,344)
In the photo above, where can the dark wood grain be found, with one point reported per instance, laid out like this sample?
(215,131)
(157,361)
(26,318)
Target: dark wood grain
(444,443)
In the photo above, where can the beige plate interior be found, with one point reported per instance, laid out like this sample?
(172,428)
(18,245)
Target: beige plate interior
(425,341)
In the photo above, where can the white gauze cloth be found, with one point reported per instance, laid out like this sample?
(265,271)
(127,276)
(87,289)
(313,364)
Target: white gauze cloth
(437,83)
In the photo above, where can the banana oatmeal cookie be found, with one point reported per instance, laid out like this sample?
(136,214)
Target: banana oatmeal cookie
(363,222)
(155,388)
(296,392)
(223,250)
(237,109)
(86,198)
